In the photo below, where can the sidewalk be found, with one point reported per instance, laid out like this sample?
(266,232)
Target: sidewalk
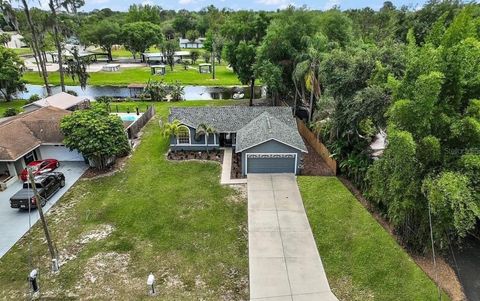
(227,169)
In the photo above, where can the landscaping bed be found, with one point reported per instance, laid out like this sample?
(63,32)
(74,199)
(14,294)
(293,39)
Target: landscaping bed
(236,171)
(173,220)
(214,155)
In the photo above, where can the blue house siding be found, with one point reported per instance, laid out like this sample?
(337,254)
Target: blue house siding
(272,147)
(195,145)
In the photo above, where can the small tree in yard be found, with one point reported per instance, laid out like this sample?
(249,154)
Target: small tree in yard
(96,134)
(171,128)
(207,130)
(194,56)
(10,73)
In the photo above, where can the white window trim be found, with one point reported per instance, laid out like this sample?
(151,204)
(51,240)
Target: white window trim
(189,136)
(257,154)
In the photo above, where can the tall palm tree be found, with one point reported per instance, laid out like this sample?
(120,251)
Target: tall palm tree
(207,130)
(307,70)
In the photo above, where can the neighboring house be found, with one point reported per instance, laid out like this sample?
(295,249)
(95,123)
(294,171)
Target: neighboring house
(60,100)
(266,137)
(32,136)
(186,43)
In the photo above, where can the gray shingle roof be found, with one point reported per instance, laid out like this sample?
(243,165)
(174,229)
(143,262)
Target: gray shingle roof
(267,127)
(228,119)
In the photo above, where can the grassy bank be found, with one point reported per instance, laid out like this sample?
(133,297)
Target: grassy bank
(362,261)
(173,219)
(17,104)
(126,76)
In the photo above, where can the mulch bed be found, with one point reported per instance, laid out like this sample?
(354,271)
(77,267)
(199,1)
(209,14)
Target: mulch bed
(313,164)
(214,155)
(236,171)
(92,173)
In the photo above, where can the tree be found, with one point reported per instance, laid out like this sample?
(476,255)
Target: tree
(10,73)
(96,134)
(157,90)
(4,39)
(169,47)
(171,129)
(105,34)
(194,54)
(454,210)
(144,13)
(177,91)
(245,58)
(207,56)
(77,68)
(183,22)
(192,35)
(205,130)
(139,36)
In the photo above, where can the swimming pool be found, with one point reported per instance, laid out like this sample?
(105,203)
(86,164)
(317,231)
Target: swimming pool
(128,117)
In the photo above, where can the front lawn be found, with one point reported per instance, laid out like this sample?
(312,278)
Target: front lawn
(362,261)
(173,219)
(126,76)
(17,104)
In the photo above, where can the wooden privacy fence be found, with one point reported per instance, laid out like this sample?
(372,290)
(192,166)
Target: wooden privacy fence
(319,147)
(133,130)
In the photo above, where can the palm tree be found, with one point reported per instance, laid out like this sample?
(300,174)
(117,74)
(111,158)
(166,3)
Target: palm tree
(171,128)
(207,130)
(307,70)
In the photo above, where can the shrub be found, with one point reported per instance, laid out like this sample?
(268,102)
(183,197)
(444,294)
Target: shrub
(34,97)
(104,99)
(10,112)
(71,92)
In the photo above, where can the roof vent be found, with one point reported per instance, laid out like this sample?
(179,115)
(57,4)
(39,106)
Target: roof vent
(269,125)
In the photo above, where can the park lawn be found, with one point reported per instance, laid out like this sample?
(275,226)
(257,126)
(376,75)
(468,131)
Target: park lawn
(17,104)
(362,261)
(131,106)
(173,219)
(126,76)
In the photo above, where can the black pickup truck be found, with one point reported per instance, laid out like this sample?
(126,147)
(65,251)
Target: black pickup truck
(47,185)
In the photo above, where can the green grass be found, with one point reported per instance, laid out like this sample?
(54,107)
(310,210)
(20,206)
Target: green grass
(362,261)
(17,104)
(171,218)
(125,76)
(22,51)
(122,52)
(131,106)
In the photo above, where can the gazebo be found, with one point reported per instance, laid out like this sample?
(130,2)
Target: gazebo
(158,69)
(205,68)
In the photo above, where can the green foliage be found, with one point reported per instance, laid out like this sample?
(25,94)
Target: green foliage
(336,26)
(96,134)
(139,36)
(10,73)
(71,92)
(454,210)
(104,99)
(429,151)
(33,98)
(10,112)
(104,33)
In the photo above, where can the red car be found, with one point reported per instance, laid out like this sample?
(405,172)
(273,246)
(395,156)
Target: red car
(39,167)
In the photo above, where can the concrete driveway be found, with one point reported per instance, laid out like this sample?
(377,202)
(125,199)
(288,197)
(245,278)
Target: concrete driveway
(284,261)
(14,222)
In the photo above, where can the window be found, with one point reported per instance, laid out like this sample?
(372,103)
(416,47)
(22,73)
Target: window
(183,136)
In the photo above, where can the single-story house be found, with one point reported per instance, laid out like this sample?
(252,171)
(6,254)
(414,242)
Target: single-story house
(32,136)
(186,43)
(153,57)
(60,100)
(266,137)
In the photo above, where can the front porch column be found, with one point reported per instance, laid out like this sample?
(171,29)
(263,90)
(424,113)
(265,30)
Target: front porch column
(11,169)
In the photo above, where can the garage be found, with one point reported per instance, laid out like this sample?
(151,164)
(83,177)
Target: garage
(59,152)
(271,163)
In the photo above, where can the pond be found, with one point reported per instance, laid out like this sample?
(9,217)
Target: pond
(191,92)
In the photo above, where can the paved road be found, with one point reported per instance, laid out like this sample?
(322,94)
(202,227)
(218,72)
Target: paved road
(14,222)
(283,257)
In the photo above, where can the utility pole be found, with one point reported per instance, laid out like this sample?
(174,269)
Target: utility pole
(38,202)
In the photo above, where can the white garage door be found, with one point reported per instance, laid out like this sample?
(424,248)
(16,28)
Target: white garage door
(60,152)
